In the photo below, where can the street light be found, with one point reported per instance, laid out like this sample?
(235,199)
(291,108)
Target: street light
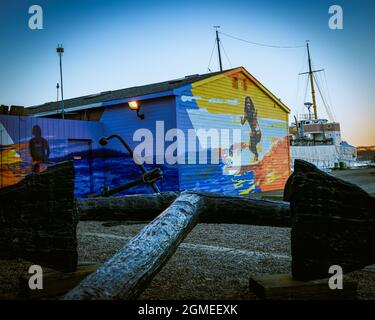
(60,51)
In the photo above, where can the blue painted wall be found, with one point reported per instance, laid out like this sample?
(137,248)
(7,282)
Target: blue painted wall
(67,140)
(119,168)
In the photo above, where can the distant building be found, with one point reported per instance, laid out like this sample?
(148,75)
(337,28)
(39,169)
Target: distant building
(366,153)
(250,122)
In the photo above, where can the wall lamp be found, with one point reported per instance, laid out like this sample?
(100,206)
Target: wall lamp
(135,105)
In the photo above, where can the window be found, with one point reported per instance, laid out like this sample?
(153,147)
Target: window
(235,83)
(244,84)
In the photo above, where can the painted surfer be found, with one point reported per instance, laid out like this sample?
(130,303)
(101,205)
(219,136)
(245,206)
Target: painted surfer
(250,115)
(39,148)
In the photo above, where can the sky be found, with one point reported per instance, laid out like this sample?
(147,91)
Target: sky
(117,44)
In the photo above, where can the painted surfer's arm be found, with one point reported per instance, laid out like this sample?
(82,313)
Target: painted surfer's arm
(243,120)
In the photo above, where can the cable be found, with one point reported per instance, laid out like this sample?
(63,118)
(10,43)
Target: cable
(322,97)
(304,62)
(221,43)
(261,44)
(299,80)
(297,92)
(212,52)
(307,85)
(325,98)
(328,92)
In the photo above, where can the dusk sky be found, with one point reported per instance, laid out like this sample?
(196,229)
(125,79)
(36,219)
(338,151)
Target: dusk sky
(117,44)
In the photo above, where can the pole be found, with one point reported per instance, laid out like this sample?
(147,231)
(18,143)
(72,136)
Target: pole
(57,91)
(218,47)
(60,51)
(312,83)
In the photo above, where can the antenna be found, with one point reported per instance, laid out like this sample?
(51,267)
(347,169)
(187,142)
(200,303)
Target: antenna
(218,47)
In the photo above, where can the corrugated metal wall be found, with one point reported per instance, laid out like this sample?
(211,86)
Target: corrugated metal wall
(218,103)
(123,121)
(16,160)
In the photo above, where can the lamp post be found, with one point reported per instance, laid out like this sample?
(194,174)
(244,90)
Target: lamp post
(60,51)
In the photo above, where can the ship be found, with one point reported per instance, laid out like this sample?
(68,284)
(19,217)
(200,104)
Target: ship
(318,140)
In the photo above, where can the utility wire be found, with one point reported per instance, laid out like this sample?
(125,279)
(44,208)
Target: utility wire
(225,53)
(212,53)
(261,44)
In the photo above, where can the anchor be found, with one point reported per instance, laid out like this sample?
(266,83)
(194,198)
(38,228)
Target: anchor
(148,177)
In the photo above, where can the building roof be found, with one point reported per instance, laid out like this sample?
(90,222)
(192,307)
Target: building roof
(100,99)
(118,94)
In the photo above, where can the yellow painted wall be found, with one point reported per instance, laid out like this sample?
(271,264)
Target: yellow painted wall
(222,88)
(220,101)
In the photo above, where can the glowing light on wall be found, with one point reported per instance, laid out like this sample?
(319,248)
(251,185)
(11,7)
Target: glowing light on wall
(135,105)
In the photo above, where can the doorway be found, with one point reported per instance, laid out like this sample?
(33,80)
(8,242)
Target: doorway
(80,151)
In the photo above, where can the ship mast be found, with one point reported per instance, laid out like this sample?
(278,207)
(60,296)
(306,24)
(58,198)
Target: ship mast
(312,83)
(311,78)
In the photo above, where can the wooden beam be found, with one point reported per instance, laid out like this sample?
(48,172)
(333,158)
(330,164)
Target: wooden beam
(129,271)
(220,209)
(137,207)
(244,210)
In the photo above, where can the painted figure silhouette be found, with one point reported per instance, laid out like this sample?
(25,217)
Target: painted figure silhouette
(39,148)
(250,115)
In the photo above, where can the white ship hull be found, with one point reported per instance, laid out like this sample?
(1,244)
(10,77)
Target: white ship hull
(324,156)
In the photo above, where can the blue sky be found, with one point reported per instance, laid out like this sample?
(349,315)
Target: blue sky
(116,44)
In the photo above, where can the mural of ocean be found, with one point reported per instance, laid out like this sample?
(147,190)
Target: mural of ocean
(115,171)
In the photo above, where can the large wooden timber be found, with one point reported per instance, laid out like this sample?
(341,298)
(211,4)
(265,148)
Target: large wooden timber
(333,223)
(139,207)
(38,219)
(130,270)
(220,209)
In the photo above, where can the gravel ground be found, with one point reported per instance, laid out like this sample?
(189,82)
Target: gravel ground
(365,178)
(214,261)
